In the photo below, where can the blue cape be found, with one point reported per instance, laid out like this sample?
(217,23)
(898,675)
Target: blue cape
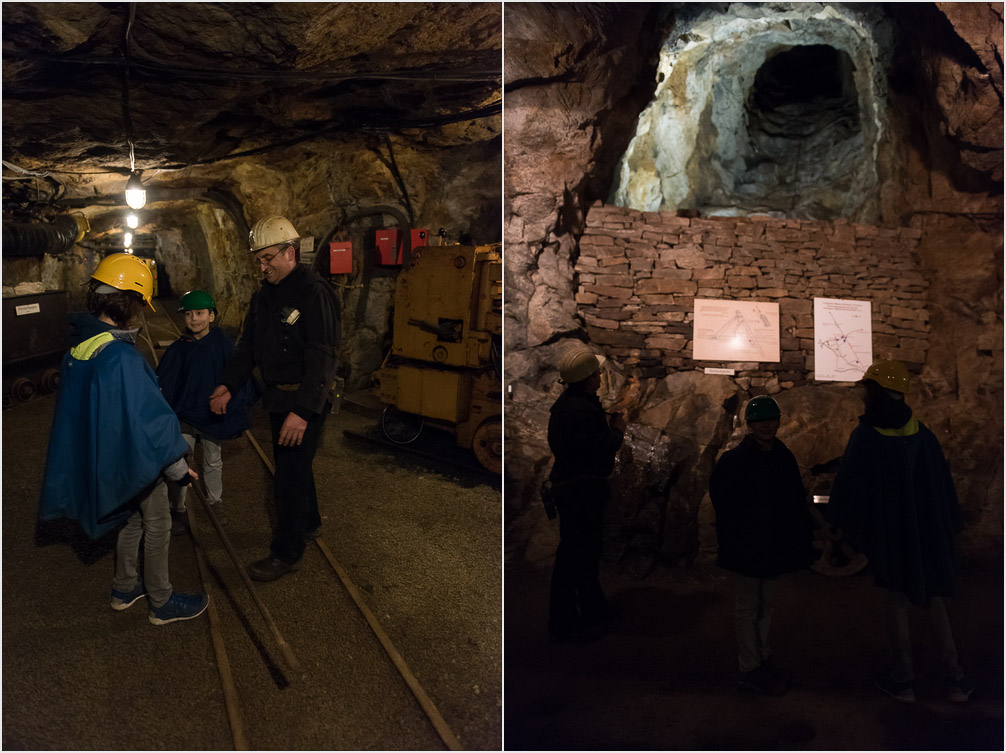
(190,370)
(112,435)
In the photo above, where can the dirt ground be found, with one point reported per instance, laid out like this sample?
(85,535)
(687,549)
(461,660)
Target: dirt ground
(420,542)
(663,677)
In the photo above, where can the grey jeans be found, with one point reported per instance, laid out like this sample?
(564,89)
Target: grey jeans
(152,523)
(213,470)
(753,599)
(896,609)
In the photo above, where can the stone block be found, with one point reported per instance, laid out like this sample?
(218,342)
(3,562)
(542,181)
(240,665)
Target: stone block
(586,298)
(773,292)
(740,282)
(595,321)
(666,342)
(715,272)
(608,290)
(641,264)
(620,281)
(656,299)
(616,338)
(665,285)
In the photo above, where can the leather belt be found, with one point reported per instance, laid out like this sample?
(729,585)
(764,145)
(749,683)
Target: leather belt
(286,387)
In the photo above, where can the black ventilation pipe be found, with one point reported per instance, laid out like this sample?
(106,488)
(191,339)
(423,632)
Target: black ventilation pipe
(22,239)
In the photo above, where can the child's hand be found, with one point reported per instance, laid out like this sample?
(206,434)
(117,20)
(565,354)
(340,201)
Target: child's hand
(219,399)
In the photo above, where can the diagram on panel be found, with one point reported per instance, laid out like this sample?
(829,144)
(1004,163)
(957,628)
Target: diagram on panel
(843,334)
(736,331)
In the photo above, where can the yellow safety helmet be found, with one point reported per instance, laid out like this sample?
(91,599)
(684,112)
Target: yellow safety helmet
(126,272)
(578,364)
(891,375)
(271,231)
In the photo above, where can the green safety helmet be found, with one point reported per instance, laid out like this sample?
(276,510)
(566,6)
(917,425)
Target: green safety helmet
(762,408)
(197,299)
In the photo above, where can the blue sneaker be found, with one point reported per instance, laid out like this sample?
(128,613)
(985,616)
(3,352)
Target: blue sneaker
(178,607)
(125,599)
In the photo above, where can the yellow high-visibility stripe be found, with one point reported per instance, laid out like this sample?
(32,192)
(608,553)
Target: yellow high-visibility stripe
(912,427)
(87,349)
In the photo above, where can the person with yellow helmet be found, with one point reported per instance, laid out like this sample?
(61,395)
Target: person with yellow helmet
(894,500)
(115,443)
(188,372)
(764,531)
(584,442)
(291,333)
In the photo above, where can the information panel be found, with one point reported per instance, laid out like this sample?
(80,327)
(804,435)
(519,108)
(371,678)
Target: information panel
(735,331)
(843,339)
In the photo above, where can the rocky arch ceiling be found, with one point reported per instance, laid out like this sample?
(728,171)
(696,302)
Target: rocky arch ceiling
(212,80)
(721,136)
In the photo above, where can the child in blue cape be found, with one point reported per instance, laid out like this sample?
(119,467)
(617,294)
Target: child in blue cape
(191,367)
(115,445)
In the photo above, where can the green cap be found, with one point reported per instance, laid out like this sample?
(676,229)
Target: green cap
(762,408)
(197,299)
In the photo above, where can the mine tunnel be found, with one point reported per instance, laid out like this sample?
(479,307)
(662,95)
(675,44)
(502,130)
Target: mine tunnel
(678,176)
(373,132)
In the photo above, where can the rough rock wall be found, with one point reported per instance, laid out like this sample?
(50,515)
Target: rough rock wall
(936,163)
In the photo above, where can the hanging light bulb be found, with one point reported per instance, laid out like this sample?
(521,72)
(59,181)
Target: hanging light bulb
(136,194)
(127,240)
(128,250)
(132,221)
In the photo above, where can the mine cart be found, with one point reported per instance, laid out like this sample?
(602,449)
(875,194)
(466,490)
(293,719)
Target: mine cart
(445,368)
(35,336)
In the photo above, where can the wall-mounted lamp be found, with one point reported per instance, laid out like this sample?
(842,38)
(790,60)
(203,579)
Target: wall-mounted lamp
(136,194)
(132,221)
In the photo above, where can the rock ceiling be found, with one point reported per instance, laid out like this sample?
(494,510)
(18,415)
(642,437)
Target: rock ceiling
(196,82)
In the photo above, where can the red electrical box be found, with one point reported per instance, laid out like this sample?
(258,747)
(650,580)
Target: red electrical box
(389,247)
(419,238)
(340,258)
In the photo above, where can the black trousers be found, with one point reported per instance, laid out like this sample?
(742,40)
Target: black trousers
(296,496)
(575,597)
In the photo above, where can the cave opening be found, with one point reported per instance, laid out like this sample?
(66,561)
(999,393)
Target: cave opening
(803,126)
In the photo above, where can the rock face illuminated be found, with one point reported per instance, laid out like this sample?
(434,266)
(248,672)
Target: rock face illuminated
(769,110)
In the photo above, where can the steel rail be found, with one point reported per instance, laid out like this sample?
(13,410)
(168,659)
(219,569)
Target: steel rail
(424,700)
(284,647)
(219,649)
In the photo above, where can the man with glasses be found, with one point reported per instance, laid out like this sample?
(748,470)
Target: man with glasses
(291,332)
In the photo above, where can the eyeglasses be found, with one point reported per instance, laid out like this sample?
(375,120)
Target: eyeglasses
(267,260)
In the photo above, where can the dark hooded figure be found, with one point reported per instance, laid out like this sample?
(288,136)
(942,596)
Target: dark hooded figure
(895,501)
(584,444)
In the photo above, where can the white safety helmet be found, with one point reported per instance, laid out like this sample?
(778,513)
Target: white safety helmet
(271,231)
(578,364)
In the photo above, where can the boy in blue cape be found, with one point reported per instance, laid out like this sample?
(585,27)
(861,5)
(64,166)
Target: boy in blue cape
(191,368)
(115,443)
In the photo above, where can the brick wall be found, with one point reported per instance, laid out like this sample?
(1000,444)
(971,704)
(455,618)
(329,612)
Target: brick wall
(639,273)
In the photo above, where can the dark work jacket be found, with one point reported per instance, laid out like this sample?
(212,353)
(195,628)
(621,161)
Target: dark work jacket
(190,370)
(895,501)
(299,354)
(583,444)
(112,432)
(763,523)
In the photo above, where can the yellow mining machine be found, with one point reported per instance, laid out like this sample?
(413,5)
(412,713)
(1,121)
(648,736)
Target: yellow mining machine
(445,366)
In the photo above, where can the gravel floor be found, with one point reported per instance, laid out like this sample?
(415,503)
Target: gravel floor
(420,541)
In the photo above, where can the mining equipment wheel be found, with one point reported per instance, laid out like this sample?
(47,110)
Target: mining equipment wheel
(50,380)
(23,389)
(400,427)
(487,444)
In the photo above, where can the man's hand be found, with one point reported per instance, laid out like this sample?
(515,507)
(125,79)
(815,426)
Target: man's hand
(219,399)
(188,479)
(292,431)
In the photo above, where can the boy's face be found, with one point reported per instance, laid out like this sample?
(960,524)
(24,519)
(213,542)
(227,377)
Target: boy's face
(199,321)
(764,431)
